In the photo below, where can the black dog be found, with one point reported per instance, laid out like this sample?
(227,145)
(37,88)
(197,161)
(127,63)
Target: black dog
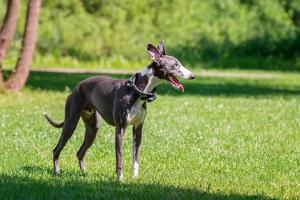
(120,103)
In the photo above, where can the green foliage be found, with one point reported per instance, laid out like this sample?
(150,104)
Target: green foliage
(224,138)
(209,32)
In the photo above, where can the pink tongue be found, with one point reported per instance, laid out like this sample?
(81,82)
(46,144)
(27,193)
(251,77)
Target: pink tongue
(176,83)
(181,88)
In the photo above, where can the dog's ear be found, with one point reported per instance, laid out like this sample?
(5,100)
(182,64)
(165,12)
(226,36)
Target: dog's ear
(153,53)
(161,48)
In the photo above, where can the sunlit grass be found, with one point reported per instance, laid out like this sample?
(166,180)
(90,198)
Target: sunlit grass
(225,138)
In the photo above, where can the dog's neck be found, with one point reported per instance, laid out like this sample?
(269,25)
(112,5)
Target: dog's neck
(145,80)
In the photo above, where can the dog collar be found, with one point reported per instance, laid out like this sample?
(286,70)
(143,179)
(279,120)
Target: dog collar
(144,96)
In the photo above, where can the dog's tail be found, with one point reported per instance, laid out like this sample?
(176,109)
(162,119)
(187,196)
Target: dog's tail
(53,123)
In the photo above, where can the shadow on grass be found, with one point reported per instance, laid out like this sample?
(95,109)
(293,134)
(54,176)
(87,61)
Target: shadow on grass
(213,86)
(79,187)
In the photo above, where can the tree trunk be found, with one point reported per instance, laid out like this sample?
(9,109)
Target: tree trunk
(8,30)
(19,76)
(1,80)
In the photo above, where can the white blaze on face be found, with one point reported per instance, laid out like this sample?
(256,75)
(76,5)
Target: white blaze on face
(175,68)
(185,73)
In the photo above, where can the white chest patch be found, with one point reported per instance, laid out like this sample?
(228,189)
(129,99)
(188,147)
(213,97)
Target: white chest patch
(136,114)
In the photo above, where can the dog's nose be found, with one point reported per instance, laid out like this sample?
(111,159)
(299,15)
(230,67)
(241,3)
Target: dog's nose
(192,76)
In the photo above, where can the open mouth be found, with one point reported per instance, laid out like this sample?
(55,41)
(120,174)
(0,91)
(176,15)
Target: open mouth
(175,83)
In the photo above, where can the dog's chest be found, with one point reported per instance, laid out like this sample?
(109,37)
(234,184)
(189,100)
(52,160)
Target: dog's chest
(136,114)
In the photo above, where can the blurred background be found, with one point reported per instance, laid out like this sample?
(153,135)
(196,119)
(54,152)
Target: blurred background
(242,34)
(233,134)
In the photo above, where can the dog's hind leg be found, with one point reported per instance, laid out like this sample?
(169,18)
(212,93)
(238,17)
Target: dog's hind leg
(73,108)
(91,120)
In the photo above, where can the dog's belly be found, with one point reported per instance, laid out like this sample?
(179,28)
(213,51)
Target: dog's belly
(108,118)
(103,105)
(105,112)
(136,114)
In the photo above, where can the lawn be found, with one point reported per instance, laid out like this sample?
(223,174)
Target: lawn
(224,138)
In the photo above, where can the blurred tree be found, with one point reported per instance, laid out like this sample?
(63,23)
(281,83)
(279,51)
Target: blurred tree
(8,29)
(210,33)
(18,77)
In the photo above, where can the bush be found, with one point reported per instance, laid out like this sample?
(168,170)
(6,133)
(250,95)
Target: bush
(207,32)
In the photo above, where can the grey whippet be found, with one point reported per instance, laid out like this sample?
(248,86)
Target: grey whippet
(120,103)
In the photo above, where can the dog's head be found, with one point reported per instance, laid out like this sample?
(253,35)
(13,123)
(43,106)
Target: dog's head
(168,67)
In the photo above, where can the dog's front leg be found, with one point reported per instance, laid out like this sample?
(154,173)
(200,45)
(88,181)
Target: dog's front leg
(118,145)
(137,138)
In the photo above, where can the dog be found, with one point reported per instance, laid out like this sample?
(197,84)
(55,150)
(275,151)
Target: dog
(118,102)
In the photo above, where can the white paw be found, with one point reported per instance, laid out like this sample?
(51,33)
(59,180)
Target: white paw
(135,169)
(135,175)
(57,171)
(121,178)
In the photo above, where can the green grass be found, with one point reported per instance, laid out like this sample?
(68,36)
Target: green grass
(224,138)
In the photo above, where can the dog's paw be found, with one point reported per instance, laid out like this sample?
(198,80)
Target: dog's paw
(135,170)
(56,167)
(57,172)
(135,176)
(82,166)
(121,178)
